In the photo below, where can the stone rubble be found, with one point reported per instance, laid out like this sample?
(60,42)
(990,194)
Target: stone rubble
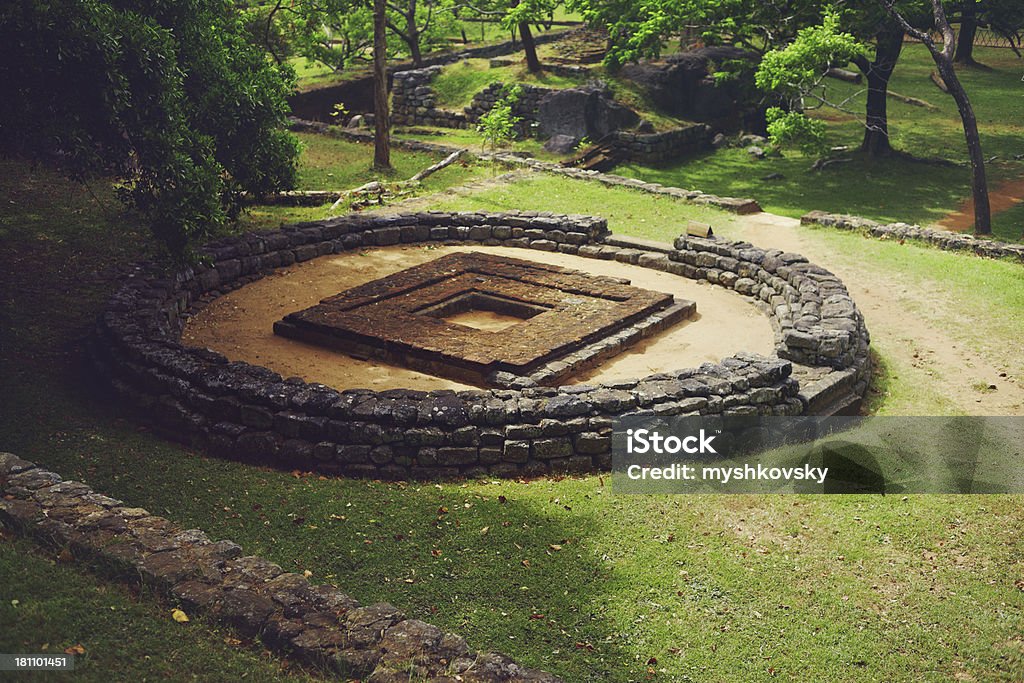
(943,239)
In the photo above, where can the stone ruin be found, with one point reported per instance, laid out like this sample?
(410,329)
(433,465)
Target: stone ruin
(553,322)
(235,409)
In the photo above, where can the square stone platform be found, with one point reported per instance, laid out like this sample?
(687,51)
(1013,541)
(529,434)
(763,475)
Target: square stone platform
(488,320)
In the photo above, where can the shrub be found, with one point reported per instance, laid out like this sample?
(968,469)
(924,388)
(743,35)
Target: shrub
(498,126)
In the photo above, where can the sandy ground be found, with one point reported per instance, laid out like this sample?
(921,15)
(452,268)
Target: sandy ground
(240,324)
(922,344)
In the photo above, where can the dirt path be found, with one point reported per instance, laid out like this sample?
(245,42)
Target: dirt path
(920,346)
(1003,196)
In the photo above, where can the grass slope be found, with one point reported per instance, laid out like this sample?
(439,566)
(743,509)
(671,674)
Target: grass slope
(47,607)
(333,164)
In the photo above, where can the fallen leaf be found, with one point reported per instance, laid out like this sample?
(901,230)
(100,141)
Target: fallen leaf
(483,532)
(179,616)
(555,547)
(233,642)
(526,563)
(75,650)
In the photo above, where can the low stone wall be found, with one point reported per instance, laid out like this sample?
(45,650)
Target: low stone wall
(657,147)
(738,205)
(525,107)
(318,103)
(316,624)
(943,239)
(251,413)
(413,102)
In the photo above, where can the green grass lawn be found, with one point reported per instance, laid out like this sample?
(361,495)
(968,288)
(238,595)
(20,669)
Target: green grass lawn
(628,211)
(472,140)
(889,189)
(560,574)
(1010,223)
(334,164)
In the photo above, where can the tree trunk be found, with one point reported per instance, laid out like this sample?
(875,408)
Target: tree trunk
(382,127)
(412,31)
(887,52)
(530,48)
(529,45)
(943,58)
(979,183)
(965,39)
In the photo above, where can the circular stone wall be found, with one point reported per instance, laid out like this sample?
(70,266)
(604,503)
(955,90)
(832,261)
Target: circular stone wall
(820,364)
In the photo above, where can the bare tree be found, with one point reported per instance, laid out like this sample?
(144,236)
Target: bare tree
(943,58)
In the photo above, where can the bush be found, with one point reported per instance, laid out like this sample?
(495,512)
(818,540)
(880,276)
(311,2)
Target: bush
(172,98)
(498,126)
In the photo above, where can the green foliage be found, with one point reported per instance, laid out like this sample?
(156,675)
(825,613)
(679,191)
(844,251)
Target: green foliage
(792,69)
(336,33)
(339,33)
(642,29)
(172,98)
(898,189)
(527,11)
(498,126)
(339,110)
(795,128)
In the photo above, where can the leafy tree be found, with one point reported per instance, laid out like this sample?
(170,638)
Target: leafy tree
(170,97)
(339,33)
(796,71)
(421,24)
(517,15)
(642,29)
(520,14)
(335,33)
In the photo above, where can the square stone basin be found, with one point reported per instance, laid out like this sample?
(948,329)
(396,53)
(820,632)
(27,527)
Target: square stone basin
(487,320)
